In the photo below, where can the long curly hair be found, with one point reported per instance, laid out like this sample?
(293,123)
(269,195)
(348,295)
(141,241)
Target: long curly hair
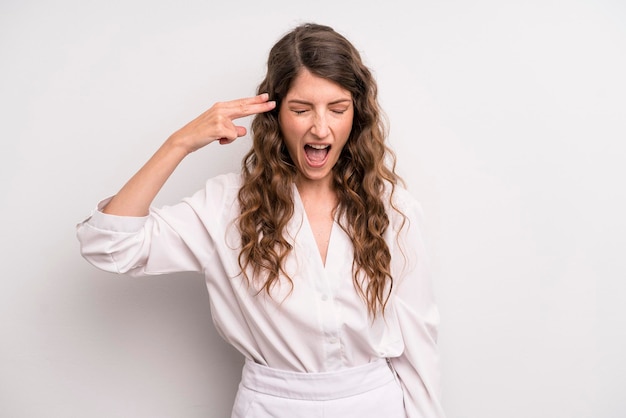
(360,176)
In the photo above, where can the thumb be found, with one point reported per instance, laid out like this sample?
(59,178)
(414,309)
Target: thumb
(241,131)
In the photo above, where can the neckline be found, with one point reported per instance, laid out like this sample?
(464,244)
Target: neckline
(308,230)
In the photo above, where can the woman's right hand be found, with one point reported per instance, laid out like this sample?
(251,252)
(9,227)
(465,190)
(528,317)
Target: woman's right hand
(217,123)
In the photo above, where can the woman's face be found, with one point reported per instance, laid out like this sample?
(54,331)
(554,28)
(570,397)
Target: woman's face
(315,119)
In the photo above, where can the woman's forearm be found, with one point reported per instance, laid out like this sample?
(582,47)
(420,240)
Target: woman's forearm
(136,196)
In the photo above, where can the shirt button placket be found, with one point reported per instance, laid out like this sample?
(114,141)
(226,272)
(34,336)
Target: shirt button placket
(331,331)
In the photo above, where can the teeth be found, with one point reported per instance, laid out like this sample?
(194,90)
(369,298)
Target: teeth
(318,146)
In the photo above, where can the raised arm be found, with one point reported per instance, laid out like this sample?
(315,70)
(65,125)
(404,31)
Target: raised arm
(216,124)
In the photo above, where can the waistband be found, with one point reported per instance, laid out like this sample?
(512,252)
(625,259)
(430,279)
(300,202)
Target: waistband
(316,386)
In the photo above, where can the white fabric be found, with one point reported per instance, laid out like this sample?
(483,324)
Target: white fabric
(367,391)
(321,323)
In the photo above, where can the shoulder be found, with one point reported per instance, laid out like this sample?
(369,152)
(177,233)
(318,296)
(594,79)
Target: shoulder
(219,192)
(226,182)
(403,209)
(222,188)
(401,199)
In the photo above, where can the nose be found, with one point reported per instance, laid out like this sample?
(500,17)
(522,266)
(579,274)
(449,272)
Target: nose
(320,126)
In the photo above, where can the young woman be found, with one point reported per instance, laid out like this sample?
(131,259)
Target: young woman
(312,254)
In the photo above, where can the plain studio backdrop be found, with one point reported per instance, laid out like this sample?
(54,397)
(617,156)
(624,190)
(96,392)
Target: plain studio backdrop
(508,119)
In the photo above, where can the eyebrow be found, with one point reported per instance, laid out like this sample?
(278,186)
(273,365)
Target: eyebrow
(304,102)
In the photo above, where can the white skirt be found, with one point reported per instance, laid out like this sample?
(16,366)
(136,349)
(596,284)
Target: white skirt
(368,391)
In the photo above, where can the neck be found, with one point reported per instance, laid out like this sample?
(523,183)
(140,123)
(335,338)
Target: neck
(315,189)
(317,193)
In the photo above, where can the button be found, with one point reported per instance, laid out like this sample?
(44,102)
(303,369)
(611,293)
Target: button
(333,340)
(324,297)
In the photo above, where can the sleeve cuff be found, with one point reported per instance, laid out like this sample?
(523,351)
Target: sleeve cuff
(115,223)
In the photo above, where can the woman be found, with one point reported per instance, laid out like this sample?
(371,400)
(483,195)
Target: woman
(312,254)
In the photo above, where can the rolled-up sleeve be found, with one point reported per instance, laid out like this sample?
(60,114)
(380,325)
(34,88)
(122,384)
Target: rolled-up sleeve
(167,240)
(418,367)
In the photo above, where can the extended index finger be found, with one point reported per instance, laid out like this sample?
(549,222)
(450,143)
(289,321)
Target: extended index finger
(251,106)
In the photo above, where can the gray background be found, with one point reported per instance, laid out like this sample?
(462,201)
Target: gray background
(509,122)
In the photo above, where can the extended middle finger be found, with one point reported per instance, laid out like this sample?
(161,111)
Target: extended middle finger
(250,106)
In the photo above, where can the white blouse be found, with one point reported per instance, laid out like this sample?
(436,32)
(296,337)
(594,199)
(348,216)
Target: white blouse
(318,324)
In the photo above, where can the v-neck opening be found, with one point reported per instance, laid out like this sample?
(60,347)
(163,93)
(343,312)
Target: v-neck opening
(311,234)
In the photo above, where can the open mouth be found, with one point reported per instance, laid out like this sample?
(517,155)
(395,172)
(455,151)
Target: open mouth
(316,154)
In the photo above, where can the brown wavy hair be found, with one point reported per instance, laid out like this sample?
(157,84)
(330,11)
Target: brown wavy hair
(365,166)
